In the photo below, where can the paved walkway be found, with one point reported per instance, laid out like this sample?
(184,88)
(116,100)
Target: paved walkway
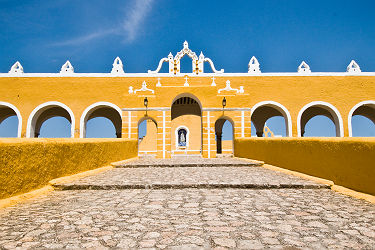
(190,218)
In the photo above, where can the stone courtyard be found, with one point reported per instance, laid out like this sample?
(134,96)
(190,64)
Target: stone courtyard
(190,204)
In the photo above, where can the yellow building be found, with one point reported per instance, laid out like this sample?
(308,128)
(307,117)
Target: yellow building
(186,112)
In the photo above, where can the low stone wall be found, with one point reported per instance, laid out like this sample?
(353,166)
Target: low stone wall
(27,164)
(348,162)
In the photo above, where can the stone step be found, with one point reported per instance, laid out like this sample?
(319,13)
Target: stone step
(186,186)
(190,162)
(190,177)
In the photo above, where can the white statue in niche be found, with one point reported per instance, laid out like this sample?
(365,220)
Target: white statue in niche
(182,137)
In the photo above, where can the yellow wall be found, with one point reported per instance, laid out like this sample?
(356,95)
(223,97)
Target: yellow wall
(27,164)
(149,141)
(348,162)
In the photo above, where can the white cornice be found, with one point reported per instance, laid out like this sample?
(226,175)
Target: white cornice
(188,74)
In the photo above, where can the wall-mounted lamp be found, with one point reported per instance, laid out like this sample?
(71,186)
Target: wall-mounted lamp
(145,102)
(224,102)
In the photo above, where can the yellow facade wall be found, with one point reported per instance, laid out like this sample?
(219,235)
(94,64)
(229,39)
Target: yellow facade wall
(293,92)
(27,164)
(348,162)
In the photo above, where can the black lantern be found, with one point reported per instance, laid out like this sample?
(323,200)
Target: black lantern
(145,102)
(224,102)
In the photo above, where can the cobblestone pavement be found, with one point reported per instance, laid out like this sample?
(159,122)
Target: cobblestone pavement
(244,177)
(190,218)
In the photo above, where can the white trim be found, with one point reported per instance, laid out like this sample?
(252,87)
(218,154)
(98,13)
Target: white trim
(369,102)
(89,110)
(129,124)
(337,119)
(163,134)
(208,134)
(226,109)
(242,123)
(149,109)
(31,122)
(284,111)
(19,117)
(125,75)
(187,136)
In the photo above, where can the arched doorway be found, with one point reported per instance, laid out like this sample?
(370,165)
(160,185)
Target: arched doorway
(99,127)
(315,109)
(10,120)
(361,119)
(186,125)
(147,137)
(224,134)
(45,112)
(271,111)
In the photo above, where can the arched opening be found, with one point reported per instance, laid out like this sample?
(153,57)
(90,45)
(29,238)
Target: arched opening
(224,134)
(10,120)
(45,115)
(321,127)
(147,136)
(93,125)
(275,115)
(361,120)
(186,123)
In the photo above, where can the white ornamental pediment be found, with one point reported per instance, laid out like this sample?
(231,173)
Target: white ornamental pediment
(228,88)
(144,89)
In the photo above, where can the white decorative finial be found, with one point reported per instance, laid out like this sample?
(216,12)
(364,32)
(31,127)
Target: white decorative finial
(158,84)
(186,84)
(118,67)
(16,68)
(186,45)
(254,66)
(201,56)
(67,68)
(130,90)
(213,81)
(353,67)
(170,55)
(304,68)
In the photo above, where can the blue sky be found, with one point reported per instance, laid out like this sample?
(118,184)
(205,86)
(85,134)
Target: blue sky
(42,35)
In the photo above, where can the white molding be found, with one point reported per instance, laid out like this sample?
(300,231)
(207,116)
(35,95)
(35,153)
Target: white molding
(129,124)
(226,109)
(187,136)
(228,88)
(208,134)
(282,109)
(337,119)
(163,134)
(19,117)
(149,109)
(364,103)
(31,122)
(89,110)
(242,123)
(125,75)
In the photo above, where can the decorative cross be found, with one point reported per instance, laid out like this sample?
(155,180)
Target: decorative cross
(186,82)
(158,84)
(213,81)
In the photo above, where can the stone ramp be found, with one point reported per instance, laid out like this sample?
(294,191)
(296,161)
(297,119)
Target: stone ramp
(201,173)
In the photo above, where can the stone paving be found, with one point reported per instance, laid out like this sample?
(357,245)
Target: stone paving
(190,218)
(186,177)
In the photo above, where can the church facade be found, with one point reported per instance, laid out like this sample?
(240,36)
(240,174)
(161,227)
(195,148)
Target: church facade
(185,112)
